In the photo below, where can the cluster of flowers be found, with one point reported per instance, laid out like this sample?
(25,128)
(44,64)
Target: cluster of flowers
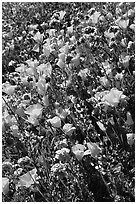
(74,49)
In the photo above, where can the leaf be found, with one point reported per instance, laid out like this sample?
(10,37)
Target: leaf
(101,126)
(36,48)
(94,149)
(5,185)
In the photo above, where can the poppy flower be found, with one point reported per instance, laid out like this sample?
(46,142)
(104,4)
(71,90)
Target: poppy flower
(5,185)
(68,129)
(78,151)
(27,179)
(113,97)
(45,100)
(62,56)
(8,88)
(14,129)
(38,37)
(55,122)
(129,119)
(44,69)
(122,23)
(60,63)
(132,27)
(34,110)
(130,138)
(95,17)
(46,49)
(42,86)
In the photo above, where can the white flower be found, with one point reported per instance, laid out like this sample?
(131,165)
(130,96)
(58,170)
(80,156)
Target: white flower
(129,119)
(113,97)
(55,122)
(27,179)
(68,129)
(8,88)
(78,151)
(60,63)
(34,111)
(130,138)
(45,100)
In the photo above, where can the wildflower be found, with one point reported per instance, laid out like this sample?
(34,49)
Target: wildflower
(60,63)
(38,37)
(62,56)
(34,111)
(130,138)
(55,122)
(132,27)
(129,119)
(15,130)
(122,23)
(68,129)
(45,100)
(42,86)
(5,185)
(27,179)
(62,154)
(8,88)
(113,97)
(94,149)
(78,151)
(44,69)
